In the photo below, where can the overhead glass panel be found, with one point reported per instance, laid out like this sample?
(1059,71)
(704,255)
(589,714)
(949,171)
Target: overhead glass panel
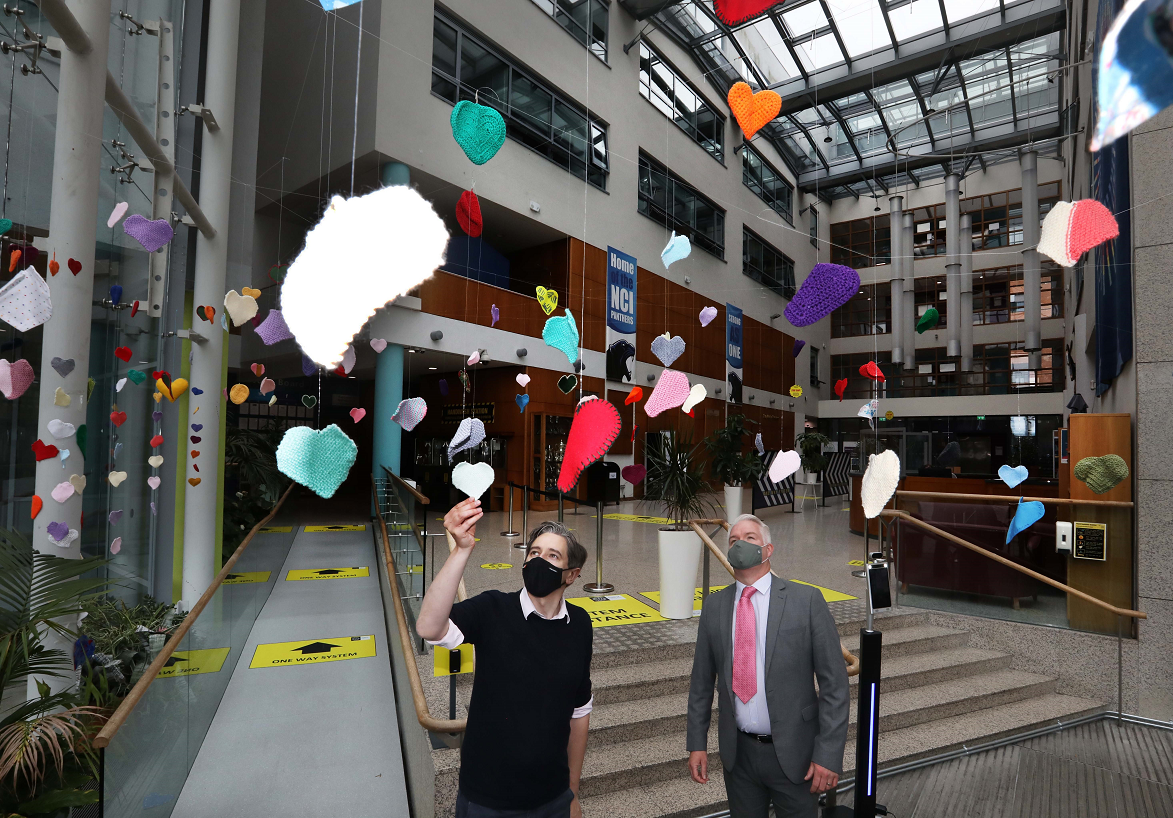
(763,45)
(804,19)
(958,10)
(819,52)
(861,25)
(915,18)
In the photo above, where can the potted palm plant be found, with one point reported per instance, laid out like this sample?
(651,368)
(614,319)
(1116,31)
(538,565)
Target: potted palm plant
(810,454)
(674,482)
(729,464)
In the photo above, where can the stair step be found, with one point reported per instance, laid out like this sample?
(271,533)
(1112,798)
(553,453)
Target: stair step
(636,656)
(647,680)
(885,621)
(917,669)
(914,639)
(673,798)
(640,718)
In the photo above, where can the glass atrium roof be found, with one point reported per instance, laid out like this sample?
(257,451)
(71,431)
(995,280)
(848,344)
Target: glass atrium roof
(859,76)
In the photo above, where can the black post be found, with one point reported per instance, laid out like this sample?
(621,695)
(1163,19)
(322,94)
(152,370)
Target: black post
(868,725)
(453,669)
(102,782)
(560,506)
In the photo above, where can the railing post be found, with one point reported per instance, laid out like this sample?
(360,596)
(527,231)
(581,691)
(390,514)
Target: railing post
(102,783)
(510,532)
(524,518)
(1119,667)
(598,586)
(560,506)
(705,578)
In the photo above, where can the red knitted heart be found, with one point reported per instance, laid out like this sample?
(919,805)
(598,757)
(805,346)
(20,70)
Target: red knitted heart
(42,451)
(872,371)
(156,441)
(733,12)
(123,354)
(74,266)
(840,388)
(468,213)
(596,425)
(118,418)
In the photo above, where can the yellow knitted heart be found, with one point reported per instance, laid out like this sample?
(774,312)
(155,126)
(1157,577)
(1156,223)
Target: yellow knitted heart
(548,299)
(250,291)
(178,387)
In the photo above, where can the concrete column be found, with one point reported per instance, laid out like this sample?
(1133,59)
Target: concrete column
(389,370)
(966,323)
(73,219)
(953,265)
(896,232)
(1031,277)
(908,306)
(201,533)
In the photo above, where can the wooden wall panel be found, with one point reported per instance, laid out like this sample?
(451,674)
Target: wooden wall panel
(590,313)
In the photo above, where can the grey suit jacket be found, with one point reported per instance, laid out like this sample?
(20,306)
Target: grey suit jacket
(801,643)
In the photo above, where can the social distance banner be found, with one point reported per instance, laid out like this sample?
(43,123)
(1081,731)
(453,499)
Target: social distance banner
(733,327)
(622,275)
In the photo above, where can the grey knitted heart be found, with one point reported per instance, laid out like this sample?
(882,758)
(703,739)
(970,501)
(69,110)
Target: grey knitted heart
(469,434)
(63,365)
(668,350)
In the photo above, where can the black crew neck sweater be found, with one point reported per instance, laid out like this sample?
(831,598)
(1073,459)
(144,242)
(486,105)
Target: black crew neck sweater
(531,673)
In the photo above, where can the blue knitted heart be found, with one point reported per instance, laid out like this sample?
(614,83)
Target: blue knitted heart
(561,333)
(668,350)
(478,129)
(319,460)
(522,401)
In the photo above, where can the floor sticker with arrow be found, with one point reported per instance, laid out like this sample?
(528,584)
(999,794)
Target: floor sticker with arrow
(327,573)
(313,651)
(192,662)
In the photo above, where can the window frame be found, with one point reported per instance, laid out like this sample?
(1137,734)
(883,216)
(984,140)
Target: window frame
(566,19)
(814,226)
(693,131)
(786,212)
(786,286)
(662,213)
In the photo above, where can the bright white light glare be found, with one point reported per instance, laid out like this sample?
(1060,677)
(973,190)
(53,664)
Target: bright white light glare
(363,253)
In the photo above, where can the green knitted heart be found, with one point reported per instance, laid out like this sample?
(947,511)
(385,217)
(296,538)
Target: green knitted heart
(80,436)
(928,320)
(136,376)
(319,460)
(478,129)
(1102,474)
(5,226)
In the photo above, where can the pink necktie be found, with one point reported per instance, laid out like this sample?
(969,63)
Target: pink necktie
(745,648)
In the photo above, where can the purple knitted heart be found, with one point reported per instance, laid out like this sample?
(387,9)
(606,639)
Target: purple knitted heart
(195,427)
(154,508)
(150,234)
(273,328)
(308,367)
(196,391)
(57,530)
(444,387)
(115,516)
(156,416)
(798,345)
(828,287)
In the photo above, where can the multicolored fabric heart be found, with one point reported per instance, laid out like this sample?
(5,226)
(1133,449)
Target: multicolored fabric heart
(15,377)
(410,412)
(547,299)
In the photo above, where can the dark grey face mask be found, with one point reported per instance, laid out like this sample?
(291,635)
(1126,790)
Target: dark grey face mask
(743,554)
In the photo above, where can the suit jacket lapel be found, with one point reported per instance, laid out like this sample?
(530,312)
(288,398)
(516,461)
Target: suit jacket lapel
(774,618)
(727,639)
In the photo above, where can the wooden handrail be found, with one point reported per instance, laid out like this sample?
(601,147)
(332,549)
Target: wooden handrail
(395,478)
(413,673)
(904,515)
(1055,501)
(114,724)
(850,658)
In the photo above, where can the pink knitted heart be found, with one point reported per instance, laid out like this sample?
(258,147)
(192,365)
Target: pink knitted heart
(150,234)
(410,412)
(1071,229)
(15,378)
(670,392)
(357,414)
(267,386)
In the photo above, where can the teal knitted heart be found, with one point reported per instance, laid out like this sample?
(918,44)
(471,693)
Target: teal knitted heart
(319,460)
(5,226)
(561,333)
(478,129)
(136,376)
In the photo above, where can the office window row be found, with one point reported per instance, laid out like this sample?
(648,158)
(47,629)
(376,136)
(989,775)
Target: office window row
(759,176)
(767,265)
(670,201)
(677,100)
(464,68)
(584,20)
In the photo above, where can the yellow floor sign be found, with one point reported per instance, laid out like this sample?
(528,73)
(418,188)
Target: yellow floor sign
(654,596)
(328,573)
(828,594)
(442,658)
(316,529)
(246,577)
(192,662)
(617,609)
(637,518)
(277,529)
(313,651)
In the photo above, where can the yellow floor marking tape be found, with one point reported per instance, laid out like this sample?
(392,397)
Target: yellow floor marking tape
(313,529)
(313,651)
(246,577)
(328,573)
(617,609)
(828,594)
(637,518)
(496,566)
(441,658)
(277,529)
(193,662)
(654,596)
(855,562)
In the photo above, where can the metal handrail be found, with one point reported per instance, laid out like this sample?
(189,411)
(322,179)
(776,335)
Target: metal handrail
(422,714)
(1054,583)
(114,724)
(397,480)
(853,661)
(991,498)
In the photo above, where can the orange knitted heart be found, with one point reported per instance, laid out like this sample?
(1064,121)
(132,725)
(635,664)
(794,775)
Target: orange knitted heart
(752,111)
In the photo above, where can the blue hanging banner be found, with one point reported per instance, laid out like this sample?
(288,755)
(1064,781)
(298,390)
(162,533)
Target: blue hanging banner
(621,281)
(733,335)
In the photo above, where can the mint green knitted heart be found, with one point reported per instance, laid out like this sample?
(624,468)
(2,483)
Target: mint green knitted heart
(561,333)
(478,129)
(319,460)
(1102,474)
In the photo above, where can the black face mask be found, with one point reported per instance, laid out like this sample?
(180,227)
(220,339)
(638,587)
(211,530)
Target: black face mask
(541,577)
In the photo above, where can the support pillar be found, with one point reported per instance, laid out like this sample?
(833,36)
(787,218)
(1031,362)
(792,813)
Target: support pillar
(896,232)
(389,370)
(908,302)
(966,323)
(953,265)
(73,219)
(1032,297)
(201,532)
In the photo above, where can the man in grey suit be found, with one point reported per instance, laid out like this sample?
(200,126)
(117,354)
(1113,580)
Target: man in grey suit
(763,641)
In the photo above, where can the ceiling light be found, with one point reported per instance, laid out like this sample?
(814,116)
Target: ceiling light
(432,368)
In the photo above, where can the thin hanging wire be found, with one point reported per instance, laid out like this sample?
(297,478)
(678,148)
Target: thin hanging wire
(357,71)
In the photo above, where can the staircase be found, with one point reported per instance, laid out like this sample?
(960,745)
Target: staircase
(937,694)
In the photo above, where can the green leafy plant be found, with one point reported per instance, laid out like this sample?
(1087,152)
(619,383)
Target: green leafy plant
(120,631)
(810,451)
(676,478)
(729,464)
(250,457)
(45,752)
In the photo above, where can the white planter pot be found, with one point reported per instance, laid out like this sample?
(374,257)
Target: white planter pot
(680,556)
(732,503)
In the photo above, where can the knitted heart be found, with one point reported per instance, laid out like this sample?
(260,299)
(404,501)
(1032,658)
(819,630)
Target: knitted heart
(733,12)
(14,259)
(178,387)
(154,482)
(634,396)
(5,226)
(150,234)
(1012,475)
(25,300)
(240,308)
(561,333)
(57,530)
(114,516)
(238,394)
(784,465)
(118,418)
(670,392)
(268,385)
(478,129)
(522,380)
(116,545)
(42,451)
(206,313)
(469,433)
(840,388)
(871,370)
(136,376)
(63,365)
(62,492)
(121,382)
(37,505)
(258,369)
(758,444)
(378,344)
(319,460)
(155,461)
(134,309)
(496,315)
(195,481)
(522,401)
(60,398)
(274,329)
(195,427)
(443,387)
(251,291)
(78,482)
(357,414)
(828,287)
(308,401)
(475,358)
(473,479)
(468,214)
(1071,229)
(798,345)
(595,426)
(123,354)
(547,299)
(668,349)
(194,438)
(567,383)
(117,213)
(196,391)
(752,111)
(635,473)
(707,315)
(116,294)
(410,412)
(116,478)
(677,249)
(15,377)
(156,441)
(74,266)
(66,538)
(1025,515)
(928,320)
(695,395)
(1102,474)
(879,482)
(80,437)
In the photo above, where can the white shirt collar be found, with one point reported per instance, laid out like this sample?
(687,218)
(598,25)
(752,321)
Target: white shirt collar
(764,583)
(527,608)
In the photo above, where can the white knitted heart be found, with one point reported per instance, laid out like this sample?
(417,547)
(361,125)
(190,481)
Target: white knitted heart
(879,482)
(473,479)
(784,465)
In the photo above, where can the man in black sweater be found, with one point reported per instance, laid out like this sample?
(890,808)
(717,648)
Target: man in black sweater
(531,694)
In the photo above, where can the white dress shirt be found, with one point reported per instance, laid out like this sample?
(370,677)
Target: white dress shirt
(752,716)
(453,637)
